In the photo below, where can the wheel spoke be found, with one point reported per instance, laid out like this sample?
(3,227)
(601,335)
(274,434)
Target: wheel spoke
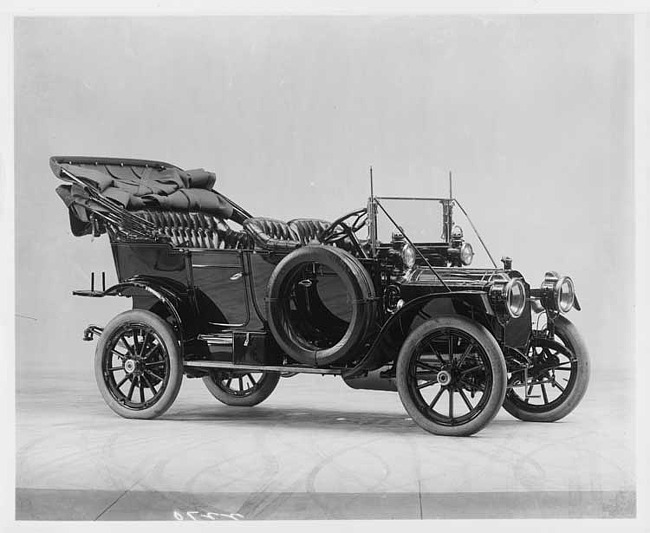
(471,369)
(130,395)
(435,352)
(118,385)
(420,376)
(155,363)
(145,341)
(120,355)
(451,403)
(427,366)
(228,383)
(115,368)
(556,384)
(151,352)
(428,383)
(253,382)
(544,393)
(464,397)
(530,389)
(141,387)
(149,384)
(126,344)
(469,348)
(154,374)
(136,346)
(468,386)
(451,348)
(437,397)
(241,384)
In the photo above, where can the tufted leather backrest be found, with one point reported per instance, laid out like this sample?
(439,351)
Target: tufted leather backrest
(196,230)
(271,234)
(309,230)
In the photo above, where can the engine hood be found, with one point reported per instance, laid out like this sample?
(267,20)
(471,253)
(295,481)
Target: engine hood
(474,278)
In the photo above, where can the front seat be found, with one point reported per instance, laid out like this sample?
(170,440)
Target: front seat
(309,230)
(271,234)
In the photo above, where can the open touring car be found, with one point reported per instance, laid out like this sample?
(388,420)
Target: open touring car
(241,301)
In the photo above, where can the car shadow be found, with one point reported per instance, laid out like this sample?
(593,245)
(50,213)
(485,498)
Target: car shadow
(308,419)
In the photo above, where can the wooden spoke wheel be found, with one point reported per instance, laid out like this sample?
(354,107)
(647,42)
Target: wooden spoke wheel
(241,387)
(138,367)
(451,376)
(557,381)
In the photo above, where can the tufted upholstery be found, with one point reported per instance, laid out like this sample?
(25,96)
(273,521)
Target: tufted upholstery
(309,230)
(271,234)
(196,230)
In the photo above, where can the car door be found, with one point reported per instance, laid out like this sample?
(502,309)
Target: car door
(219,279)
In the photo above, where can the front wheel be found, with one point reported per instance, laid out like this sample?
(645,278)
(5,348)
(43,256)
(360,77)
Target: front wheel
(557,380)
(241,388)
(451,376)
(138,366)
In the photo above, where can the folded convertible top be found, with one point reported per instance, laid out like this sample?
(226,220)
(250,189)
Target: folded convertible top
(99,184)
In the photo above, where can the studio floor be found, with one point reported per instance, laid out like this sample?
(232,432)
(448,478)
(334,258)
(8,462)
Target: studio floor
(315,449)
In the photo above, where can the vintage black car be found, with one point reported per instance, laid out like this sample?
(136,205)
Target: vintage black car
(241,301)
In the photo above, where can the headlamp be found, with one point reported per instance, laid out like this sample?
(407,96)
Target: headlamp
(508,297)
(558,293)
(466,254)
(408,256)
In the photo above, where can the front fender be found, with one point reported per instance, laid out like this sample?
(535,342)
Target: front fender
(388,341)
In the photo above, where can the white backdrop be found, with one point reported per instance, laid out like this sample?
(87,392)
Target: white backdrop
(532,113)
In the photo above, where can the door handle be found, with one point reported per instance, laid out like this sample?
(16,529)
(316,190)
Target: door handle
(237,276)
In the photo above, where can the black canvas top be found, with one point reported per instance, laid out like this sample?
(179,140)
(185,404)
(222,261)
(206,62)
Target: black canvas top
(134,185)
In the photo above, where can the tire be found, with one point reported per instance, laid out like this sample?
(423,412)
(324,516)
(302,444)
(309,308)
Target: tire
(302,324)
(138,366)
(219,383)
(464,360)
(575,386)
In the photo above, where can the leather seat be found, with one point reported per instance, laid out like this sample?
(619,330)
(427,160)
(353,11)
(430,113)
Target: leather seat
(271,234)
(309,230)
(196,230)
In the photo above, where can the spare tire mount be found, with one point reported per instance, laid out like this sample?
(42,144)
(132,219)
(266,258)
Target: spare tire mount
(316,319)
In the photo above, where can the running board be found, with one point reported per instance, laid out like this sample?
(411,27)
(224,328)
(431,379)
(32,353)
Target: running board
(263,368)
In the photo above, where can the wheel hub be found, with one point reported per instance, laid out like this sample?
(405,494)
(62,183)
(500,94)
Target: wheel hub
(444,377)
(129,366)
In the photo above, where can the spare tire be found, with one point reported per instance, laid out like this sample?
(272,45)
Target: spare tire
(320,305)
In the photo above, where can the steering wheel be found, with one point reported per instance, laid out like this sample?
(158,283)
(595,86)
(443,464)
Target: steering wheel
(346,227)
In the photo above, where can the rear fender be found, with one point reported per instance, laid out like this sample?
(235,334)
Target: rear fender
(149,293)
(385,348)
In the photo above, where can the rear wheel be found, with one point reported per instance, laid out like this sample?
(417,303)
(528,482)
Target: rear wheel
(557,381)
(241,388)
(138,367)
(451,376)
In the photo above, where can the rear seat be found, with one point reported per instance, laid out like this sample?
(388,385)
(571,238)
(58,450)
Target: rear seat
(196,230)
(200,230)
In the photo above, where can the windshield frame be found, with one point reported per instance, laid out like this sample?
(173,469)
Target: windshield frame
(447,212)
(448,221)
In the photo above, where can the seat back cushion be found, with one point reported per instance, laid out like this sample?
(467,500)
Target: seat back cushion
(309,230)
(271,234)
(196,230)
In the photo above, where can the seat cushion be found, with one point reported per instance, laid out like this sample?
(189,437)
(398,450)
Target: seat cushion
(271,234)
(309,230)
(196,230)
